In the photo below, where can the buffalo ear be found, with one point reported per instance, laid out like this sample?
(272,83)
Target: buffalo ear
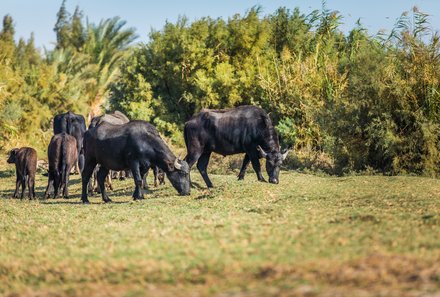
(263,154)
(13,152)
(170,166)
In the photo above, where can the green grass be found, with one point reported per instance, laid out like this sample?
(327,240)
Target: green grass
(307,236)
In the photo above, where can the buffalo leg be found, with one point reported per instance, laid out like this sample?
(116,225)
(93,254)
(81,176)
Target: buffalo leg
(76,168)
(23,186)
(135,170)
(101,176)
(144,174)
(144,179)
(80,163)
(56,183)
(85,177)
(192,157)
(246,161)
(256,165)
(30,183)
(108,179)
(155,176)
(202,166)
(17,186)
(93,185)
(66,182)
(49,184)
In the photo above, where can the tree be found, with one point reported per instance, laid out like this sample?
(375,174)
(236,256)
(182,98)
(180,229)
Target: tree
(78,34)
(63,27)
(106,46)
(7,43)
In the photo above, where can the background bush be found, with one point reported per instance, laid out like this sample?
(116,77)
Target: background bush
(345,102)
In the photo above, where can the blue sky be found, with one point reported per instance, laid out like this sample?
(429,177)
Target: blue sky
(40,16)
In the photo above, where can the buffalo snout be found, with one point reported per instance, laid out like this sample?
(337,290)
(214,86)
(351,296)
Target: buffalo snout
(273,181)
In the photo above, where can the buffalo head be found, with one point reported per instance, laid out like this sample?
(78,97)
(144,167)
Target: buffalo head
(178,174)
(274,160)
(12,156)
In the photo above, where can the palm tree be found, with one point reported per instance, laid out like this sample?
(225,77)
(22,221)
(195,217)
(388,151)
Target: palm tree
(106,45)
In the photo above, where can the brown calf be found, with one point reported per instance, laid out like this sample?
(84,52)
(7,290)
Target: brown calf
(62,154)
(25,160)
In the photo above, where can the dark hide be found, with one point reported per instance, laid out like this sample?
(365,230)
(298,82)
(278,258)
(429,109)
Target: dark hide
(136,146)
(245,129)
(25,160)
(62,155)
(75,125)
(115,118)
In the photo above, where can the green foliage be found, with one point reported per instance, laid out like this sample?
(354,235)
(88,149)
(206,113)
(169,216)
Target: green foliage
(75,76)
(287,131)
(357,101)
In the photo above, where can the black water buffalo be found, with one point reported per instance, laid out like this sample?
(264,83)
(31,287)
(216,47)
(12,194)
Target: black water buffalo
(136,146)
(115,118)
(75,125)
(25,160)
(62,155)
(245,129)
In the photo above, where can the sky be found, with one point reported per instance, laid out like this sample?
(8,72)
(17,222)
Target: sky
(39,16)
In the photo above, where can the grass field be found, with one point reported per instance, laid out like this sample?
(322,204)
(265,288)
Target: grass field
(307,236)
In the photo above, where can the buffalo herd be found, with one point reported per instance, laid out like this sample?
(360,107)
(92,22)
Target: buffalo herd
(113,143)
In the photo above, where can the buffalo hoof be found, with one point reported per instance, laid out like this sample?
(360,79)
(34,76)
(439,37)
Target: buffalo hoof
(85,201)
(108,200)
(240,177)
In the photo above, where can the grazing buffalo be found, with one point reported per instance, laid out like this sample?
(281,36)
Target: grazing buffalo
(25,160)
(75,125)
(136,146)
(62,155)
(245,129)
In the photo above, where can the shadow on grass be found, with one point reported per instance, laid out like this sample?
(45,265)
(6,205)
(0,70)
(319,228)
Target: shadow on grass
(205,196)
(7,173)
(197,186)
(77,201)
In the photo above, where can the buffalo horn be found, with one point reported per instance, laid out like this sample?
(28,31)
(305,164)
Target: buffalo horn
(177,164)
(262,152)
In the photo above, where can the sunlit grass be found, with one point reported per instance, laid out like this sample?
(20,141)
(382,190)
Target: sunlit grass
(307,235)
